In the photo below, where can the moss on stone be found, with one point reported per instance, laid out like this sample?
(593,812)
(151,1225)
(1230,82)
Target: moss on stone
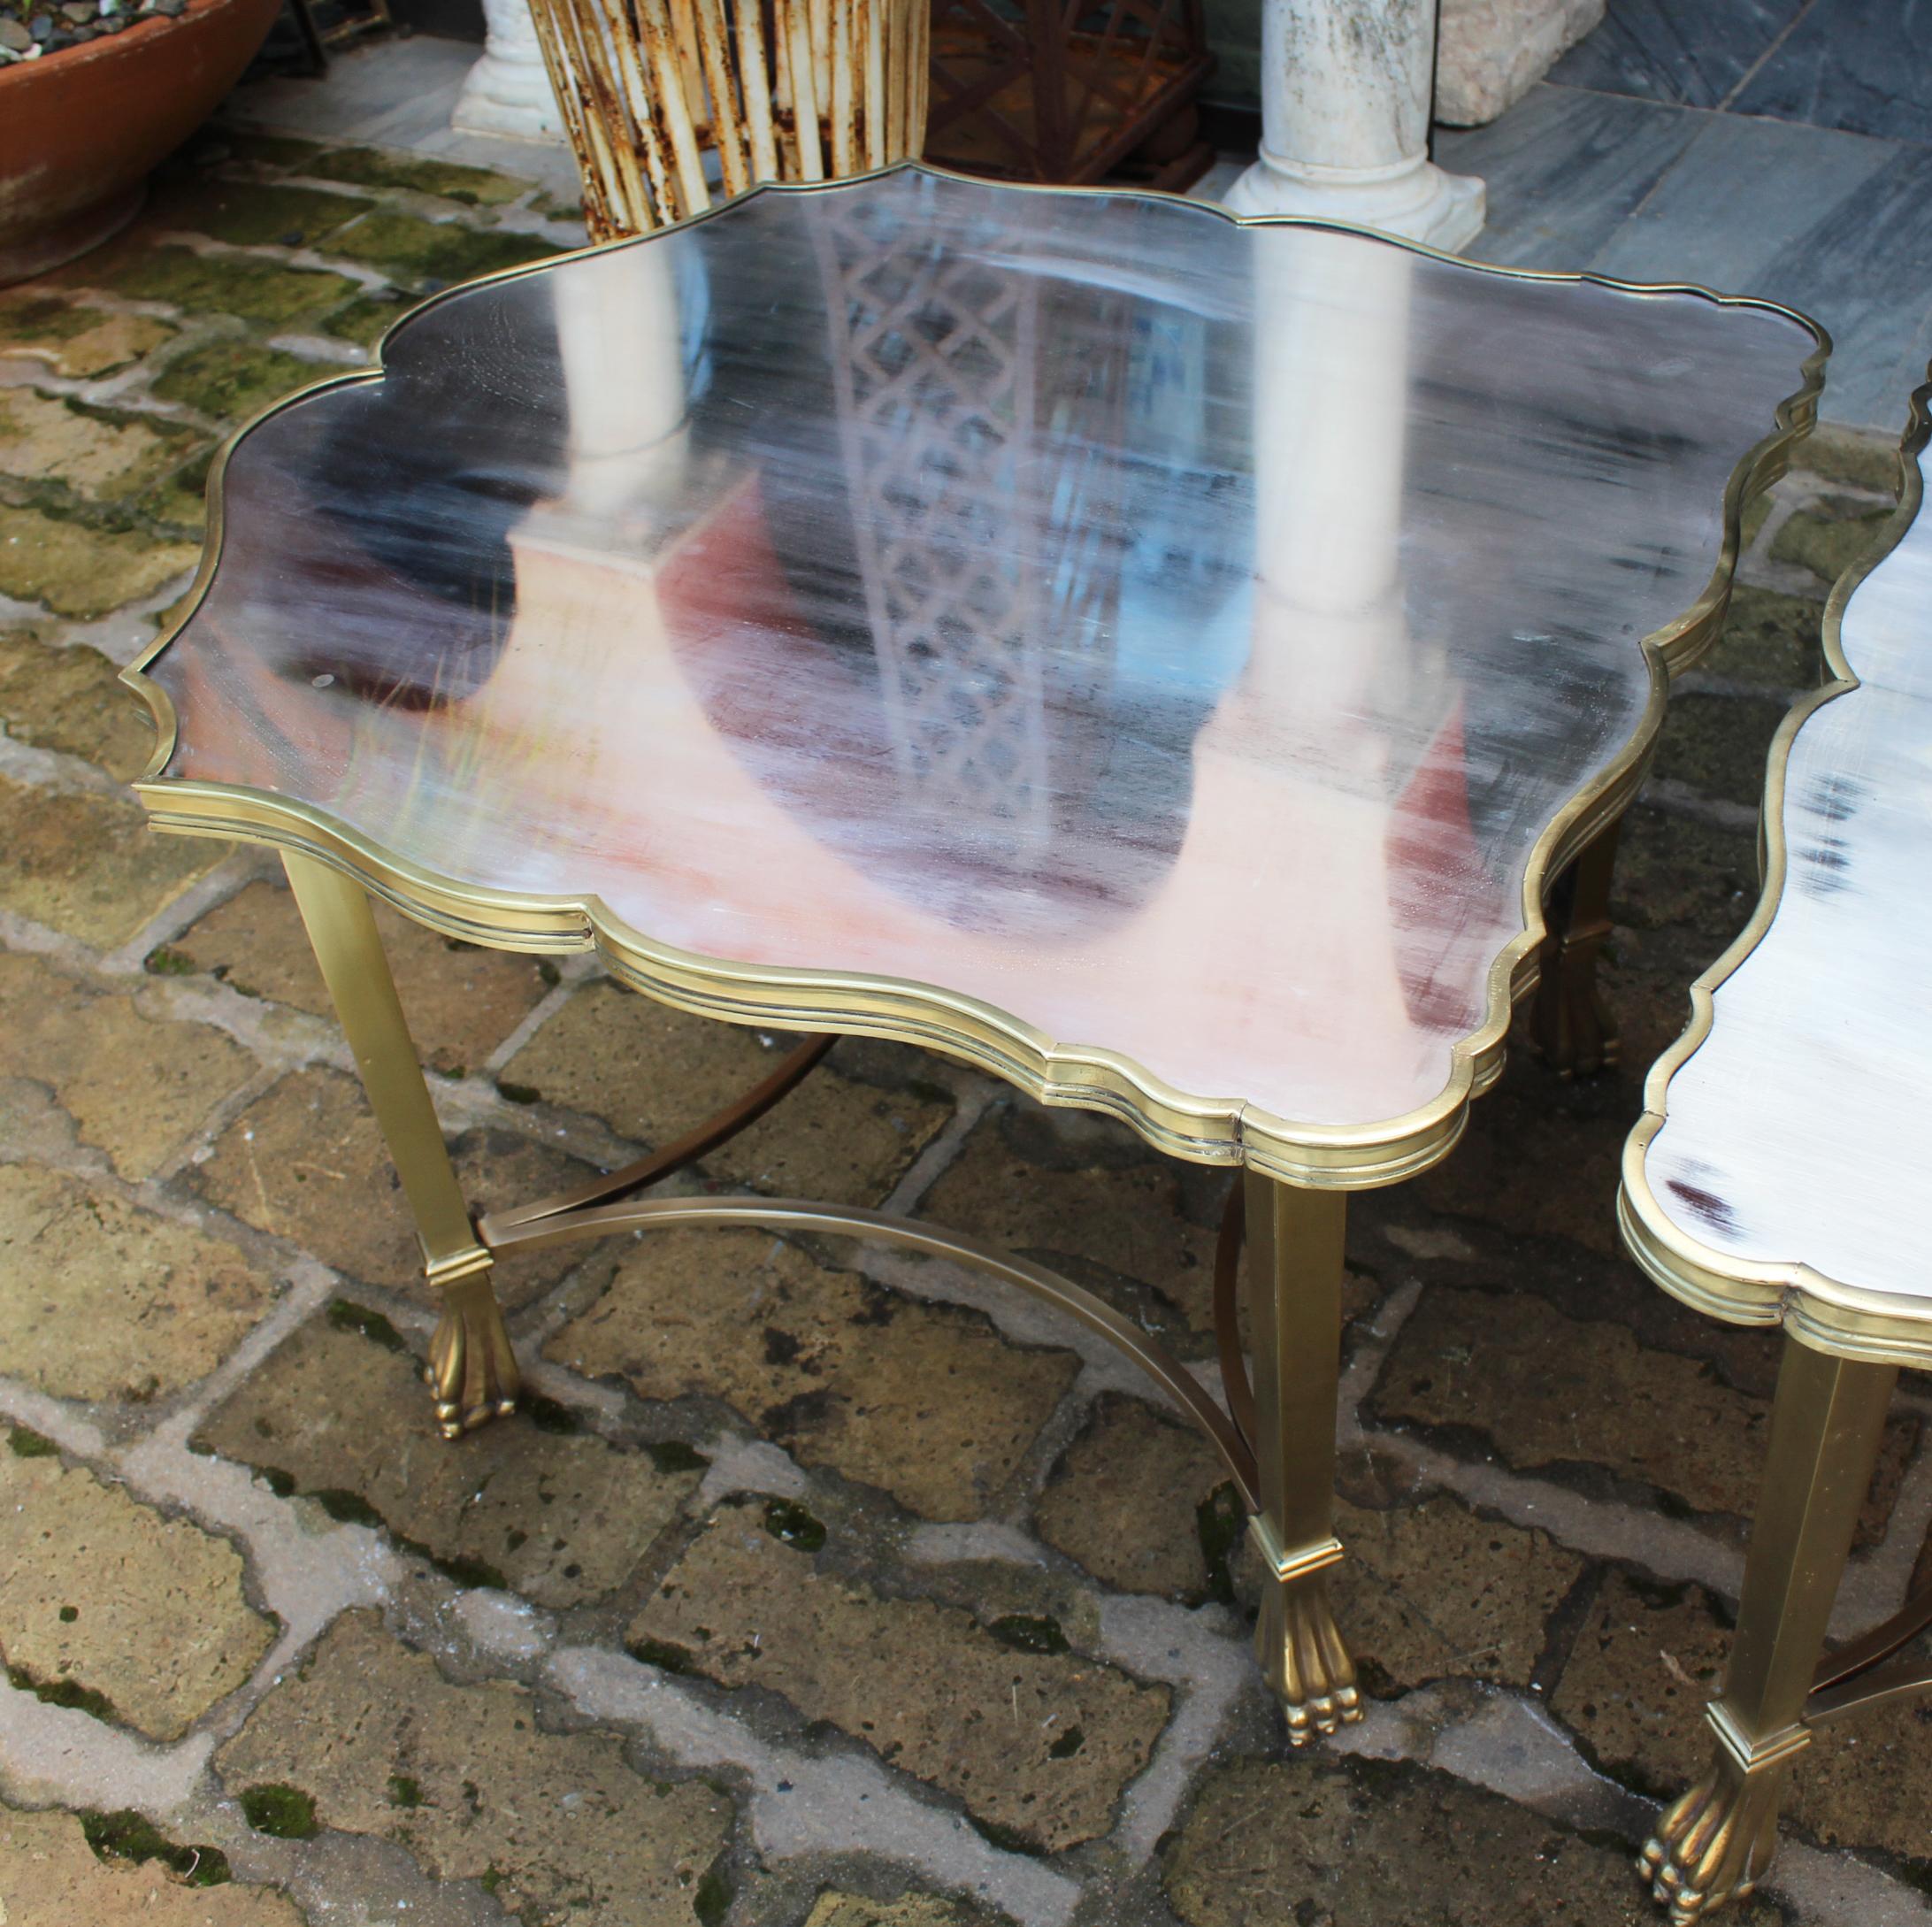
(1029,1633)
(674,1455)
(254,289)
(253,213)
(348,1508)
(62,1693)
(265,150)
(713,1897)
(663,1655)
(163,961)
(433,253)
(83,567)
(404,1792)
(365,320)
(548,1415)
(25,1444)
(372,167)
(1221,1521)
(232,380)
(278,1808)
(125,1835)
(793,1524)
(346,1316)
(1830,540)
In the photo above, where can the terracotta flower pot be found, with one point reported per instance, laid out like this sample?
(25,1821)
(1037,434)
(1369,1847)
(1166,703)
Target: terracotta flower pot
(82,129)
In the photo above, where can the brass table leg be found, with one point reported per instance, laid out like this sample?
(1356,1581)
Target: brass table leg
(1295,1272)
(472,1372)
(1717,1840)
(1573,1028)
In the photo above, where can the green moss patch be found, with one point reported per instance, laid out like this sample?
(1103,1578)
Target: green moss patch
(284,1811)
(368,317)
(254,289)
(125,1835)
(345,1316)
(231,380)
(423,252)
(62,1693)
(793,1524)
(372,167)
(1029,1633)
(29,1445)
(1221,1521)
(253,213)
(713,1898)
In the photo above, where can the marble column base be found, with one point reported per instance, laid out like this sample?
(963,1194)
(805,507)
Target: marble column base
(1420,202)
(507,92)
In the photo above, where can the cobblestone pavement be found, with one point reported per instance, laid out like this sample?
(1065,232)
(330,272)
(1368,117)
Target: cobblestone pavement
(813,1585)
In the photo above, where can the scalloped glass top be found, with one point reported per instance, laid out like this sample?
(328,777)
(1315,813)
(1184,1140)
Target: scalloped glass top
(1798,1131)
(1176,635)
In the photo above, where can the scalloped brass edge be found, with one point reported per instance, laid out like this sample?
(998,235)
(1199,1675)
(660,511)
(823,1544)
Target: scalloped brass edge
(1217,1131)
(1825,1313)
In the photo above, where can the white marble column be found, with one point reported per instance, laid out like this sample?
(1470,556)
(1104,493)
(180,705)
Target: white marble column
(1346,88)
(508,91)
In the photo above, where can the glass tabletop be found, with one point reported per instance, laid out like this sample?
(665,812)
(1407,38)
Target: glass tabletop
(1178,638)
(1796,1131)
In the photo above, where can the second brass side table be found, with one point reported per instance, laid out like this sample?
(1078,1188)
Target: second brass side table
(1161,660)
(1780,1178)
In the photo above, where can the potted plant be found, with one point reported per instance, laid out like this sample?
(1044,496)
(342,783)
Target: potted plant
(93,93)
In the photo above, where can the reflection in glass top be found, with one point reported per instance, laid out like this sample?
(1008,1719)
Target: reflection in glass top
(1176,635)
(1798,1131)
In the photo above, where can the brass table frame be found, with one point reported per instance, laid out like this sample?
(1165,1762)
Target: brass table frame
(1843,1351)
(1276,1436)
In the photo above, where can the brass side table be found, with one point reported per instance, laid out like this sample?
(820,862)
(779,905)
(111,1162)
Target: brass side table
(1157,659)
(1771,1181)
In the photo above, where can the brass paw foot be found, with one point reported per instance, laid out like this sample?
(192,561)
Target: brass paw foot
(473,1371)
(1306,1663)
(1715,1843)
(1572,1027)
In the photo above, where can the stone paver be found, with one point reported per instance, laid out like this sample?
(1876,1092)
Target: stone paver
(306,1162)
(1038,1744)
(558,1826)
(107,1604)
(1554,1391)
(544,1507)
(835,1909)
(82,568)
(651,1073)
(1331,1843)
(100,1299)
(928,1402)
(97,454)
(1116,1228)
(1132,1499)
(73,700)
(461,1000)
(1646,1659)
(1830,537)
(135,1085)
(1435,1591)
(72,339)
(51,1876)
(88,866)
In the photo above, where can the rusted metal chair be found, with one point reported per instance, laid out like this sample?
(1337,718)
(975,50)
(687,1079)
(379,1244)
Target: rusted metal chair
(776,89)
